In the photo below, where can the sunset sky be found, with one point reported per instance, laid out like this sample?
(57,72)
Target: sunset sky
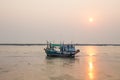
(79,21)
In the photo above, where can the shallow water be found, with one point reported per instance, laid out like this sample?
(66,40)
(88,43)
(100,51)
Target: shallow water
(31,63)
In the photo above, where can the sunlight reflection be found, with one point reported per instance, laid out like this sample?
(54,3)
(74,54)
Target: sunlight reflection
(91,51)
(90,68)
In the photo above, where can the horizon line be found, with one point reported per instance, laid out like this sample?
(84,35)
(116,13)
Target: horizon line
(77,44)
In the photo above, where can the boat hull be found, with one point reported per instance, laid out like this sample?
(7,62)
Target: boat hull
(59,54)
(53,53)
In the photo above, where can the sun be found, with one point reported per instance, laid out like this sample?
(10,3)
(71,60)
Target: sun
(90,19)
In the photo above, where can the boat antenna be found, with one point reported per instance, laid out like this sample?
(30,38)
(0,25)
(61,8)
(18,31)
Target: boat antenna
(47,43)
(71,42)
(63,42)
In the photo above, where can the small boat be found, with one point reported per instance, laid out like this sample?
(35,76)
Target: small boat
(61,50)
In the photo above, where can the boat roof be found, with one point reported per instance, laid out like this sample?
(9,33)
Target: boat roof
(55,44)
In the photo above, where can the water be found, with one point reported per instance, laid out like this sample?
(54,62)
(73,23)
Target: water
(31,63)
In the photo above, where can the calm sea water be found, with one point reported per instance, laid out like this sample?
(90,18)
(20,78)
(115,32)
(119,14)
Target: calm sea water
(31,63)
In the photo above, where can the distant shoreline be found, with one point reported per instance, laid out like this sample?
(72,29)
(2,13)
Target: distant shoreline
(74,44)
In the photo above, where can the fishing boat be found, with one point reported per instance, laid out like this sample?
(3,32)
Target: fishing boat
(61,50)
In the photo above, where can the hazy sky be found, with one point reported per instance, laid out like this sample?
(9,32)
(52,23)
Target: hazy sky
(35,21)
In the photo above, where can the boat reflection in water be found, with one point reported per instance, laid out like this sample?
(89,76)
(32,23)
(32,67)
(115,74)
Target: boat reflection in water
(91,52)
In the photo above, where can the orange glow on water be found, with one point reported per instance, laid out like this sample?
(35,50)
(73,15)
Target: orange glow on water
(90,64)
(90,69)
(91,51)
(90,60)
